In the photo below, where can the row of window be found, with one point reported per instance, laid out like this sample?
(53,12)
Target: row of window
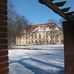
(42,42)
(42,35)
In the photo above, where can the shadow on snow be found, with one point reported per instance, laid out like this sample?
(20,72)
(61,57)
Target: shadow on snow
(38,70)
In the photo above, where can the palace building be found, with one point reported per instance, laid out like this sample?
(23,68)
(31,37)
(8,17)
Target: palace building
(40,34)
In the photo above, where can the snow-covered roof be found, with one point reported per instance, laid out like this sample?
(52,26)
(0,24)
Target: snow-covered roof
(41,27)
(44,29)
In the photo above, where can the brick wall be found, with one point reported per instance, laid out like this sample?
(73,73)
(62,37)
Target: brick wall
(3,38)
(69,47)
(68,42)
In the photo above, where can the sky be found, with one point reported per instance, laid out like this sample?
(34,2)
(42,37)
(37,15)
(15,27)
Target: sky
(37,13)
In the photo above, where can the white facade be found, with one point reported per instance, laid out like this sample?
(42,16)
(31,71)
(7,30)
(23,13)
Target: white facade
(40,34)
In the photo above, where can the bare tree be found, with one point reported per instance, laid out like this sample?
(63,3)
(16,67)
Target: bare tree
(16,23)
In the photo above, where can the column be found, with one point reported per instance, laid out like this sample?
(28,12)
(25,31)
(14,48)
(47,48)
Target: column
(69,46)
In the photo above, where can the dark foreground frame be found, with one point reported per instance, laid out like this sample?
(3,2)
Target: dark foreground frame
(69,46)
(3,38)
(68,42)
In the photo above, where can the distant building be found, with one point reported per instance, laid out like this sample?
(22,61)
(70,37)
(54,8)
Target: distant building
(40,34)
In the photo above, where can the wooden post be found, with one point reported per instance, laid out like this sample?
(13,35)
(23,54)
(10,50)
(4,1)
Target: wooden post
(3,38)
(69,46)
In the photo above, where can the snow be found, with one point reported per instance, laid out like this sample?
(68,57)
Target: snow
(41,29)
(38,59)
(36,29)
(44,29)
(40,46)
(16,68)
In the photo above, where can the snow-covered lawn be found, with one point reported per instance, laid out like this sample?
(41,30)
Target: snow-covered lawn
(43,61)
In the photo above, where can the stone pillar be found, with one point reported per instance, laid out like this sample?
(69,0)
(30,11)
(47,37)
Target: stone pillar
(3,38)
(69,46)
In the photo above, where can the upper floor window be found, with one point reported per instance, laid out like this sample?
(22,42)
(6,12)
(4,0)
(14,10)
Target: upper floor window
(35,35)
(40,36)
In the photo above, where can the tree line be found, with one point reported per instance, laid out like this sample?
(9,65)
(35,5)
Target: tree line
(16,23)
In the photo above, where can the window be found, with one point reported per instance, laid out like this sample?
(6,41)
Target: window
(39,36)
(46,35)
(35,35)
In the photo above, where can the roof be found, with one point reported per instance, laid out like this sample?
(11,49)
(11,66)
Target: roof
(31,28)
